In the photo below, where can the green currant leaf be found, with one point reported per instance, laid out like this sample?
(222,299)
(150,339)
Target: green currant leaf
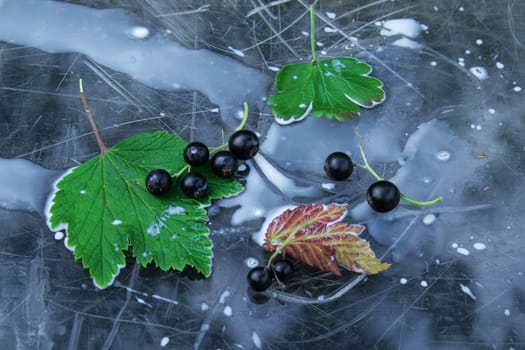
(334,88)
(105,207)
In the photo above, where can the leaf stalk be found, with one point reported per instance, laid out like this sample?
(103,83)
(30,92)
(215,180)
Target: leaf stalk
(101,145)
(312,35)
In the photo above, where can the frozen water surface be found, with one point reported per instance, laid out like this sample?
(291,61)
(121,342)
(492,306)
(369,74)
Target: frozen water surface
(452,125)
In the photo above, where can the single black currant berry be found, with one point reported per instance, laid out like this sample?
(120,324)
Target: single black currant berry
(259,279)
(196,153)
(194,185)
(158,182)
(244,144)
(383,196)
(224,164)
(338,166)
(283,270)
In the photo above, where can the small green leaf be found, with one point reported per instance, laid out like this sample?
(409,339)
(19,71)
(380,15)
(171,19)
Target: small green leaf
(106,207)
(334,88)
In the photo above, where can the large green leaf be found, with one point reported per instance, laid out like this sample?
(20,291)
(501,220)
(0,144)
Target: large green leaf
(334,88)
(106,207)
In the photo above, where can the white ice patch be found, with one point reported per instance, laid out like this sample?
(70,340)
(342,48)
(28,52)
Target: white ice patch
(465,289)
(251,262)
(463,251)
(24,185)
(204,307)
(424,284)
(407,43)
(429,219)
(139,32)
(160,221)
(330,15)
(328,186)
(175,210)
(164,341)
(408,27)
(256,340)
(228,312)
(224,295)
(59,235)
(479,72)
(236,51)
(403,281)
(479,246)
(104,35)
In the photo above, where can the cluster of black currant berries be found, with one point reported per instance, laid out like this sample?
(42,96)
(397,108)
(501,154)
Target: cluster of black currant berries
(242,145)
(260,278)
(382,195)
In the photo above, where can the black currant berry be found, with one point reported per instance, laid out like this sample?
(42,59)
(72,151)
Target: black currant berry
(338,166)
(196,153)
(224,164)
(244,144)
(383,196)
(194,185)
(283,270)
(259,279)
(158,182)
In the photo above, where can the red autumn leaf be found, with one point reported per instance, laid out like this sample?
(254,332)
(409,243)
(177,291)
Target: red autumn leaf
(315,235)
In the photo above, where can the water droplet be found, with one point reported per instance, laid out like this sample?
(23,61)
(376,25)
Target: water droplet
(228,311)
(443,155)
(463,251)
(479,72)
(164,341)
(479,246)
(251,262)
(429,219)
(139,32)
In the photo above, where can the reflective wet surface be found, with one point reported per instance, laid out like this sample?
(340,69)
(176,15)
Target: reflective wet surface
(451,125)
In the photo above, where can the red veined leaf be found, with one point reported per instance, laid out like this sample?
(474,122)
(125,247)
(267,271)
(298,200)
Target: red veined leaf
(315,235)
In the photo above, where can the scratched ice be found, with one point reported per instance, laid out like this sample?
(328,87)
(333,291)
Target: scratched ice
(452,125)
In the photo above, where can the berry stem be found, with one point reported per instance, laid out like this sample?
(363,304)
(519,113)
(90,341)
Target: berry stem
(239,127)
(312,35)
(181,171)
(272,257)
(244,117)
(101,145)
(403,197)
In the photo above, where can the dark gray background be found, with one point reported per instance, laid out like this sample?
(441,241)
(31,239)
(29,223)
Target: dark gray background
(434,103)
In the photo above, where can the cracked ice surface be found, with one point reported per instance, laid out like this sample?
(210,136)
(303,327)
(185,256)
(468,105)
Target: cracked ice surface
(451,125)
